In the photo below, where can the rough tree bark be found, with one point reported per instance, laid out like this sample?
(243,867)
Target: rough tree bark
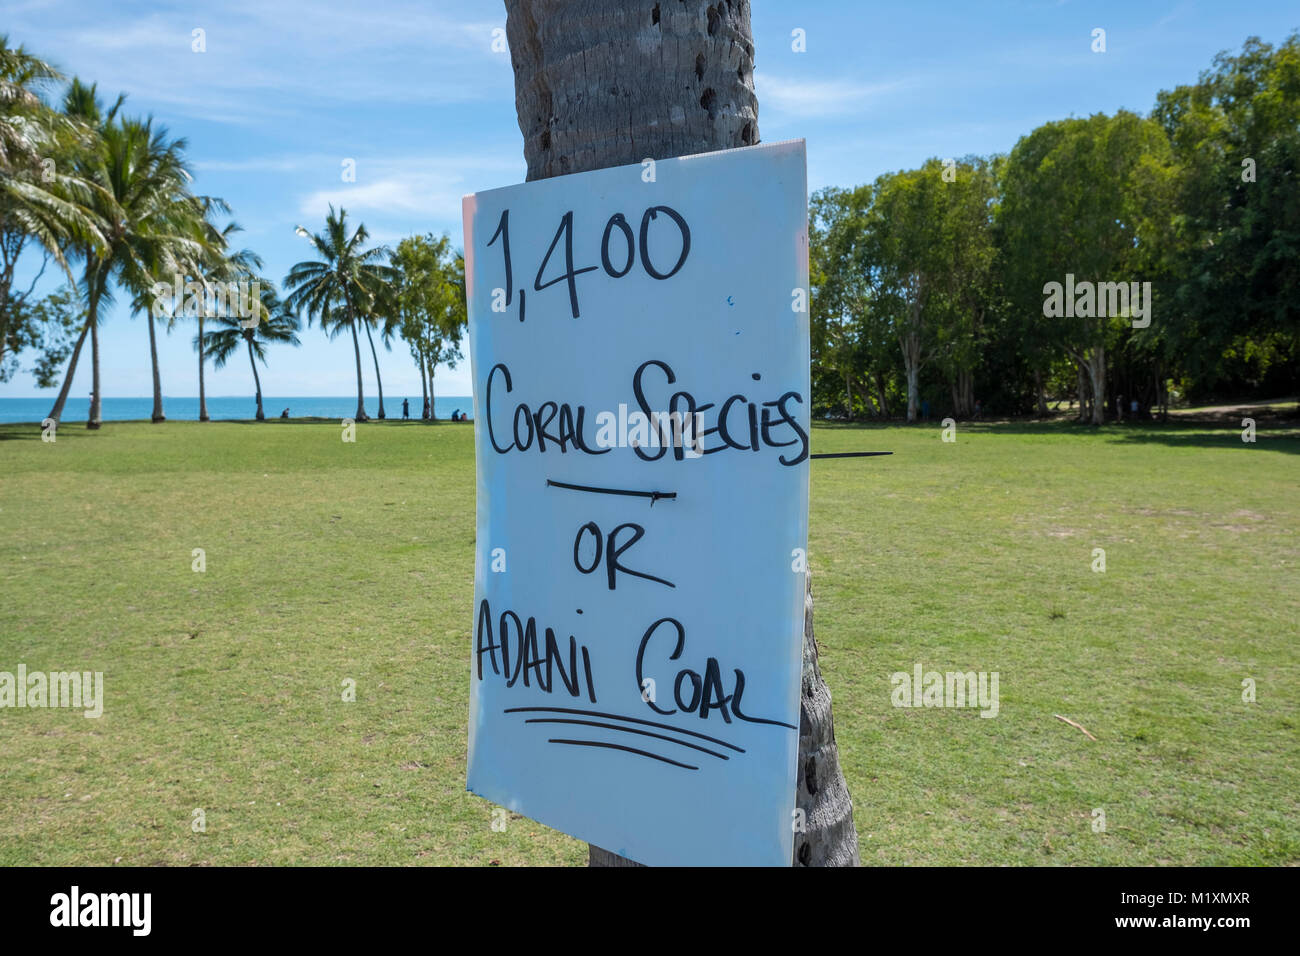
(611,82)
(603,83)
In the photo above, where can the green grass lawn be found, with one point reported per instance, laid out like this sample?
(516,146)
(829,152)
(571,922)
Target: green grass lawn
(328,561)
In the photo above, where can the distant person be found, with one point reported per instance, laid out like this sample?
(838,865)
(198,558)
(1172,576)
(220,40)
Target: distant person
(406,408)
(1134,407)
(979,408)
(455,416)
(285,413)
(925,409)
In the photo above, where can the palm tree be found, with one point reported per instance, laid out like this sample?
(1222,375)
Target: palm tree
(42,197)
(275,323)
(182,241)
(219,265)
(696,59)
(368,319)
(179,255)
(348,284)
(81,103)
(148,219)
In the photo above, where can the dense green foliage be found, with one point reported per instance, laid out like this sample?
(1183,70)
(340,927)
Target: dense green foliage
(931,286)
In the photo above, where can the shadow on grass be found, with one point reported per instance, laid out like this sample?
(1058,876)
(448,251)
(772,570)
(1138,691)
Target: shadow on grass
(1213,437)
(1281,434)
(1274,433)
(18,431)
(309,420)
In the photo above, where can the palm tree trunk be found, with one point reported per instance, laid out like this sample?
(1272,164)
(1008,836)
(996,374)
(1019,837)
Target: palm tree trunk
(203,402)
(379,382)
(158,415)
(56,412)
(257,381)
(611,82)
(96,418)
(356,347)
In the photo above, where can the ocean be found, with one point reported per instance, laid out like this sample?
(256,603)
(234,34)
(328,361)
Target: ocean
(228,407)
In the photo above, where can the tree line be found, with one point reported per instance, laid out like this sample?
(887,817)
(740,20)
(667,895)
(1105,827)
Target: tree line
(1116,263)
(1104,261)
(107,199)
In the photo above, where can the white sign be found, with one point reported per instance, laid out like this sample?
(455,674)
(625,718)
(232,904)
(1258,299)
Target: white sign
(640,363)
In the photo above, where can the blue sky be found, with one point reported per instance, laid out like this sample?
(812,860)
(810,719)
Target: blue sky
(413,92)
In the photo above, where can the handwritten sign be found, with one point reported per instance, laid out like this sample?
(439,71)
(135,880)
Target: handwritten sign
(639,342)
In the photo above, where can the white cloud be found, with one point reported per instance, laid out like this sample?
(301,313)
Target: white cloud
(268,60)
(818,97)
(418,186)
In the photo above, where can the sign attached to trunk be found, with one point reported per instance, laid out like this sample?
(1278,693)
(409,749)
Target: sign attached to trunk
(639,340)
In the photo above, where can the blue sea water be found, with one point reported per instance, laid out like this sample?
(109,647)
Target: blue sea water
(228,407)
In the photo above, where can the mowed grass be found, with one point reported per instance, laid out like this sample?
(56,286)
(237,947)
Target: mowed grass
(328,562)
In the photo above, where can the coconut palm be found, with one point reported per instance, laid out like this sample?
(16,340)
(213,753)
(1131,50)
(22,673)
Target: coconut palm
(697,62)
(81,103)
(181,253)
(219,265)
(274,323)
(371,318)
(345,287)
(42,198)
(147,216)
